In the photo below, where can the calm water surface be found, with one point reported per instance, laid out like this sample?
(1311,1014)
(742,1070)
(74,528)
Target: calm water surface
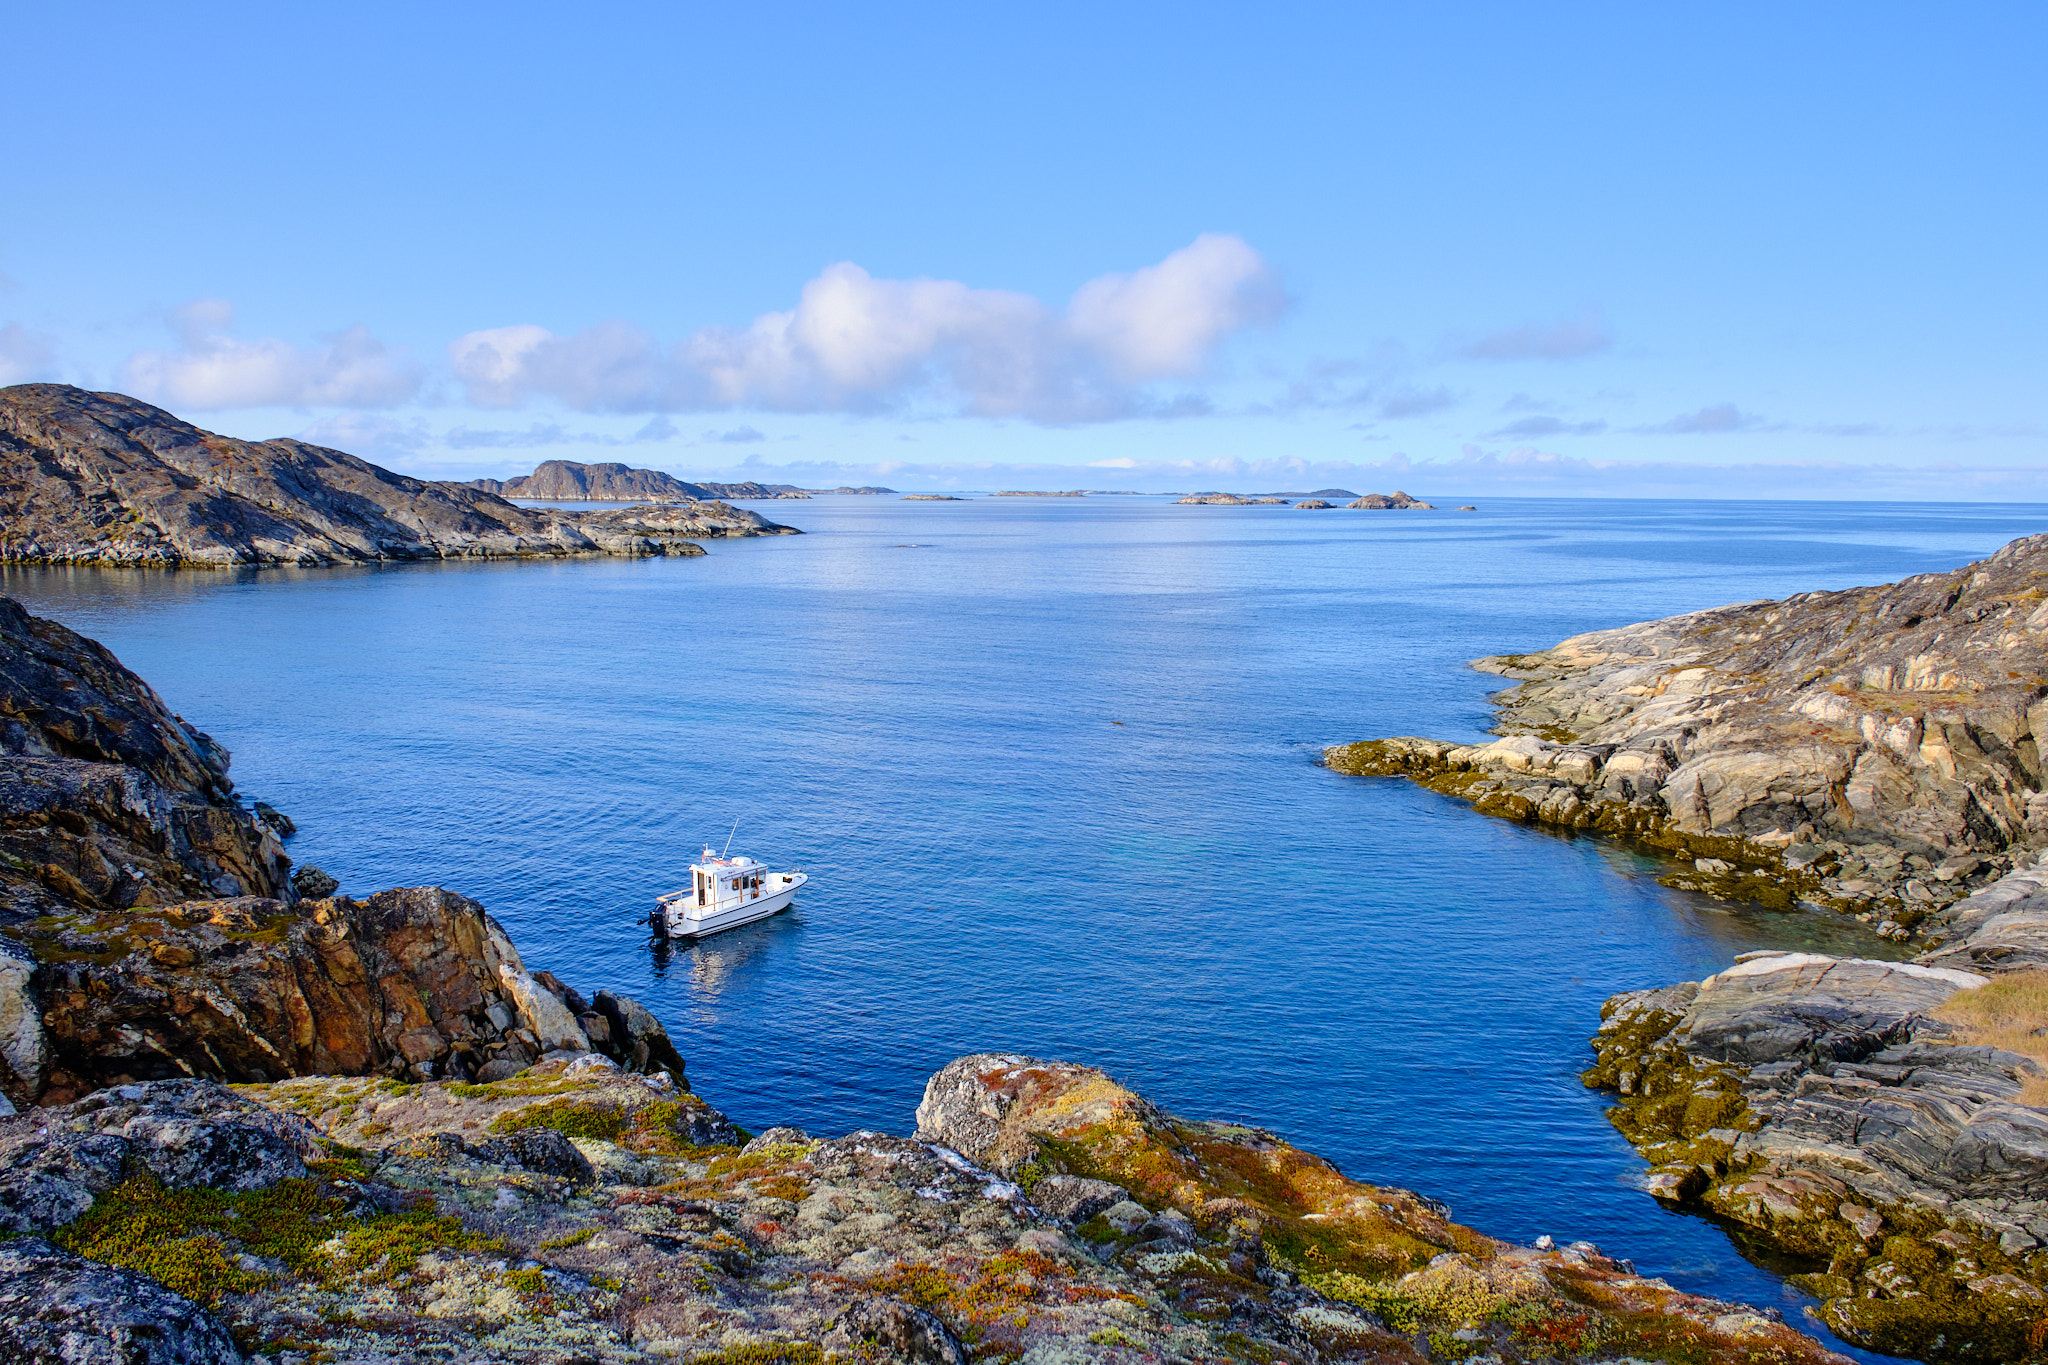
(1051,765)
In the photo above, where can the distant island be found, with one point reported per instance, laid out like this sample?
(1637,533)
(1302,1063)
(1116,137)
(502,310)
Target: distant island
(102,478)
(1396,500)
(1038,493)
(567,481)
(931,497)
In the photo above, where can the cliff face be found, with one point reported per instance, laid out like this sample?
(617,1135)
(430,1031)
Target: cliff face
(1874,750)
(415,983)
(107,800)
(567,481)
(94,478)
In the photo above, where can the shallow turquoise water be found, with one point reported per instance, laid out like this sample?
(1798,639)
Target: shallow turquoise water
(919,703)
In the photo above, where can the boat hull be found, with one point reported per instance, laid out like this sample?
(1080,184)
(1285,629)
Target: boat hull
(675,919)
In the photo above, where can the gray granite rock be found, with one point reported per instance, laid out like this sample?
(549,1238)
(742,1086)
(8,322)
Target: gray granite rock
(60,1309)
(187,1134)
(1076,1199)
(1872,750)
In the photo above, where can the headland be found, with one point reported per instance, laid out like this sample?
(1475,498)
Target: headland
(102,479)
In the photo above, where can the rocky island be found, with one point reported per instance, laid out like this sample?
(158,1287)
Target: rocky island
(1873,752)
(1320,500)
(1396,501)
(249,1117)
(99,478)
(567,481)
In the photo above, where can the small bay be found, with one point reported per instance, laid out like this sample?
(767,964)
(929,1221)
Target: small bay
(1051,765)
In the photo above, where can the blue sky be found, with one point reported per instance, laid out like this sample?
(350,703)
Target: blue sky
(1739,250)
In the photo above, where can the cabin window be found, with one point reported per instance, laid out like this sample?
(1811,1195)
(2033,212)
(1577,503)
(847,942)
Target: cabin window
(700,888)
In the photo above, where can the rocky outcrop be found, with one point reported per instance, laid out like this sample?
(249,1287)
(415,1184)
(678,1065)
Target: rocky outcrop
(1871,750)
(107,799)
(412,983)
(666,529)
(1825,1105)
(109,803)
(611,481)
(931,497)
(57,1307)
(575,1213)
(1312,505)
(1394,501)
(183,1134)
(567,481)
(150,926)
(100,478)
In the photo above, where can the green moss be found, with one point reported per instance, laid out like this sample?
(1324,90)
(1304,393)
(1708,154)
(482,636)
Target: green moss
(568,1117)
(569,1239)
(186,1239)
(1400,1311)
(765,1353)
(531,1282)
(1983,1333)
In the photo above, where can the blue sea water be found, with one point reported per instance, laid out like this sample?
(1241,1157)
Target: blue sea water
(1051,765)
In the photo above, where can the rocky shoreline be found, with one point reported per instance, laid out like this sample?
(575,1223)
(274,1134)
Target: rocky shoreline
(261,1119)
(1847,1113)
(102,479)
(1872,752)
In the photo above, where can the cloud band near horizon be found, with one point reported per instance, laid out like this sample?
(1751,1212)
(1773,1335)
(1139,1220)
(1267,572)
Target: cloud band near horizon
(855,343)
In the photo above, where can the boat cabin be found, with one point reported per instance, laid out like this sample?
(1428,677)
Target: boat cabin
(724,883)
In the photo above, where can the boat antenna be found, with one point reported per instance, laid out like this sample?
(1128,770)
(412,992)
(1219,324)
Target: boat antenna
(728,836)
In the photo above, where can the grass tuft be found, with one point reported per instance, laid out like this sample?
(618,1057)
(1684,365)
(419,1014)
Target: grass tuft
(2011,1013)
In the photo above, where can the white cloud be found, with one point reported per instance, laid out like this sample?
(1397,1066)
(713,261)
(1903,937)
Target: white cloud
(856,343)
(212,369)
(1567,340)
(25,356)
(1164,321)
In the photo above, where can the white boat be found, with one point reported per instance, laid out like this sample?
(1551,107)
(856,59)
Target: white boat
(723,893)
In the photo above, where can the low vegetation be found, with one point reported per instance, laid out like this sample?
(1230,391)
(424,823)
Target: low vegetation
(2011,1013)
